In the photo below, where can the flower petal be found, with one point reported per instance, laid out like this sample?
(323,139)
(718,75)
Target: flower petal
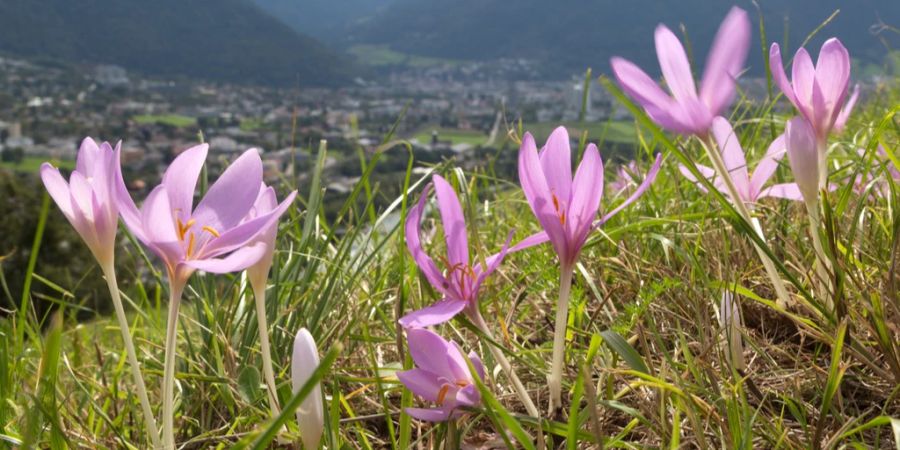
(776,67)
(159,226)
(453,220)
(428,415)
(429,351)
(788,191)
(492,262)
(58,189)
(803,77)
(733,156)
(842,117)
(479,366)
(725,60)
(468,396)
(648,180)
(537,192)
(311,413)
(440,312)
(767,166)
(181,177)
(535,239)
(88,157)
(674,64)
(236,261)
(803,155)
(232,195)
(587,191)
(414,245)
(833,74)
(637,84)
(707,173)
(422,383)
(556,162)
(246,232)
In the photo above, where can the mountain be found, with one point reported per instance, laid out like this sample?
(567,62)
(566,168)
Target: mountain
(223,40)
(573,34)
(326,20)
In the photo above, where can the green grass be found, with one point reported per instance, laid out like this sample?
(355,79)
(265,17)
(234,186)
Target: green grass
(32,164)
(612,131)
(173,120)
(383,55)
(644,351)
(455,136)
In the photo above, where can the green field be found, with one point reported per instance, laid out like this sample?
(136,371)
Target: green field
(173,120)
(621,132)
(32,164)
(382,55)
(453,135)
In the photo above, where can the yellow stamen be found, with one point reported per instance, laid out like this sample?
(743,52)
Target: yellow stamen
(211,230)
(190,248)
(555,202)
(442,394)
(184,227)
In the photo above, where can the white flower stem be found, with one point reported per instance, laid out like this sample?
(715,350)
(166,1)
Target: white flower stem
(822,264)
(559,336)
(265,349)
(719,165)
(175,289)
(498,355)
(109,272)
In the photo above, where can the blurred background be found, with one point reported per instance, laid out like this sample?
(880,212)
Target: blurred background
(449,76)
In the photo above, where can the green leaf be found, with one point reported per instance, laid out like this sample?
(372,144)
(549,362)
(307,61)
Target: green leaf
(248,383)
(619,345)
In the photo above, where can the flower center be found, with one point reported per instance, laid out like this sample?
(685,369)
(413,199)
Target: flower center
(184,232)
(559,211)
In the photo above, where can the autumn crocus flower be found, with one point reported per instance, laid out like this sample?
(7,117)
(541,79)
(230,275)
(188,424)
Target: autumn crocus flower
(624,178)
(213,237)
(441,376)
(266,202)
(88,201)
(687,111)
(460,281)
(566,208)
(311,413)
(819,91)
(750,188)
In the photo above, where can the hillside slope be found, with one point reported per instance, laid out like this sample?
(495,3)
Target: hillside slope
(227,40)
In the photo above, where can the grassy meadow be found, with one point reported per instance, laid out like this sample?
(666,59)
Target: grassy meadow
(645,363)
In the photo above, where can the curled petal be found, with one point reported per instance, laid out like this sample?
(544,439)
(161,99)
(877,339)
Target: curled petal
(414,245)
(776,66)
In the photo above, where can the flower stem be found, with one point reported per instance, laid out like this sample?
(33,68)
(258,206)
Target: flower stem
(559,336)
(175,289)
(822,265)
(260,297)
(109,272)
(719,165)
(497,353)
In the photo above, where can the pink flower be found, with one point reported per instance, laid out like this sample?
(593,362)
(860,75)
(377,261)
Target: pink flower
(800,139)
(311,413)
(624,178)
(750,189)
(819,91)
(213,237)
(566,206)
(686,111)
(441,376)
(265,204)
(460,282)
(88,199)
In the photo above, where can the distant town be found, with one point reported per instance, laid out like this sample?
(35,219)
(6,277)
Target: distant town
(461,111)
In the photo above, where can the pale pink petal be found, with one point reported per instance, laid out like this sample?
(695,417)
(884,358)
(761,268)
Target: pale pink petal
(414,245)
(492,262)
(803,155)
(454,222)
(707,173)
(587,191)
(428,415)
(803,77)
(725,60)
(422,383)
(243,233)
(674,64)
(733,156)
(236,261)
(479,366)
(535,239)
(776,67)
(537,192)
(232,195)
(181,177)
(429,351)
(788,191)
(767,166)
(88,157)
(637,84)
(57,188)
(842,117)
(833,74)
(556,161)
(440,312)
(648,180)
(468,396)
